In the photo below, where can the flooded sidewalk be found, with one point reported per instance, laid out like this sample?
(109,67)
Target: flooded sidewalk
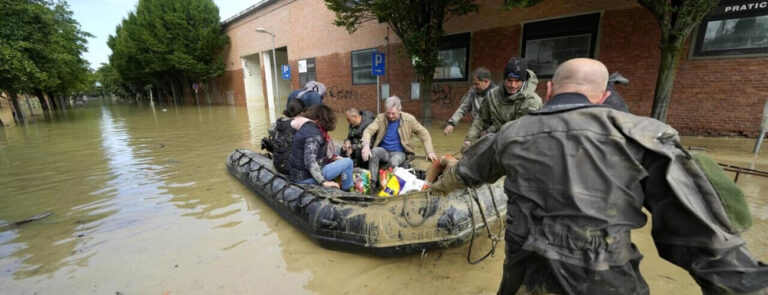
(141,203)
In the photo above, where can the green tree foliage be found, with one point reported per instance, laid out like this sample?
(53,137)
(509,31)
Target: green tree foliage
(41,49)
(25,27)
(166,43)
(418,23)
(111,82)
(676,20)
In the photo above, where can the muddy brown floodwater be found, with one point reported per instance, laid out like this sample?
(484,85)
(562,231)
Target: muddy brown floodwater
(141,203)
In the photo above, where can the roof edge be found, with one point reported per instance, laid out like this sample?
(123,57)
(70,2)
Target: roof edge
(246,12)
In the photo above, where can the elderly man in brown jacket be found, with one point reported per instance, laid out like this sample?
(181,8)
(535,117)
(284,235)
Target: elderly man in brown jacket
(393,131)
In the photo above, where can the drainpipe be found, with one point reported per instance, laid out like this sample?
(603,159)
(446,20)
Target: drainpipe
(763,127)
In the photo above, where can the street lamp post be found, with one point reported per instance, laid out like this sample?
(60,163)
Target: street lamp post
(274,66)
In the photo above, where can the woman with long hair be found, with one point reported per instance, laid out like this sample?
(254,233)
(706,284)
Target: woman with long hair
(313,159)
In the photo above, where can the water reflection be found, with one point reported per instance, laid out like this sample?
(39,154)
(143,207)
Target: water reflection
(142,203)
(35,171)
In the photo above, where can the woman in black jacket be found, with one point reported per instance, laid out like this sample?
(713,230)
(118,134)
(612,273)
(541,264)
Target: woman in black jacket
(313,159)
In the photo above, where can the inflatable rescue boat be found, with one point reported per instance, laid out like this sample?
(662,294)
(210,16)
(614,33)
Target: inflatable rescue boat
(384,226)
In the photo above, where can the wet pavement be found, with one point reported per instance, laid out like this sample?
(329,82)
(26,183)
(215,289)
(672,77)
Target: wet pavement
(141,203)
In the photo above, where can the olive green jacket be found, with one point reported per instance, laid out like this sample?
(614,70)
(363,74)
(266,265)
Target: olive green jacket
(408,127)
(499,108)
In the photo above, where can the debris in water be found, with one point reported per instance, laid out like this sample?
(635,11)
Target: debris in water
(698,148)
(27,220)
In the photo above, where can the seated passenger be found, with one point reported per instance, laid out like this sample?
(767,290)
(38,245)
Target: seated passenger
(312,94)
(358,121)
(313,159)
(281,136)
(393,130)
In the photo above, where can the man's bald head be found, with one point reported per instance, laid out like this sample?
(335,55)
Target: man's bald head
(581,75)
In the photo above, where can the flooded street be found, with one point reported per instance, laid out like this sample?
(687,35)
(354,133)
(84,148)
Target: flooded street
(141,203)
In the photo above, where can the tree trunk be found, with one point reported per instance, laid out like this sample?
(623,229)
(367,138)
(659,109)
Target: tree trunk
(208,90)
(52,100)
(215,87)
(29,106)
(43,102)
(173,90)
(18,116)
(425,94)
(63,102)
(670,57)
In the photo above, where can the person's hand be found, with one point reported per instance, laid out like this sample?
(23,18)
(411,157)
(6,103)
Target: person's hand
(366,152)
(448,161)
(448,129)
(347,147)
(431,157)
(331,184)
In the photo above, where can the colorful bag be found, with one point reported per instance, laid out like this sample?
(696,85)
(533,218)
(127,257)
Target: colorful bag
(393,187)
(361,179)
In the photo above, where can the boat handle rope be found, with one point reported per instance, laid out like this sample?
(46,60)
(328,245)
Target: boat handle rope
(494,238)
(423,218)
(271,179)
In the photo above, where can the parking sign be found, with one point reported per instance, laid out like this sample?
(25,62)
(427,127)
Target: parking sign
(286,72)
(378,63)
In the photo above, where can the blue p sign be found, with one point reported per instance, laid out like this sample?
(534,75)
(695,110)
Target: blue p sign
(378,64)
(286,72)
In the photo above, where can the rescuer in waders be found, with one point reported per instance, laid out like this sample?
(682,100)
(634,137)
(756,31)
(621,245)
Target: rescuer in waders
(516,97)
(578,175)
(473,99)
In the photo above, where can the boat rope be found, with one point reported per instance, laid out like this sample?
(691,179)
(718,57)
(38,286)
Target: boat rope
(494,238)
(423,218)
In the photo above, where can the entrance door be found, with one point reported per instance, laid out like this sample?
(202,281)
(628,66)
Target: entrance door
(254,89)
(282,88)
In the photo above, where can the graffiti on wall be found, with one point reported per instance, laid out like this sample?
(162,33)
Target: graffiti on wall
(442,93)
(342,93)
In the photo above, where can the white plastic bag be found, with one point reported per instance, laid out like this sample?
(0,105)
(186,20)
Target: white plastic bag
(412,183)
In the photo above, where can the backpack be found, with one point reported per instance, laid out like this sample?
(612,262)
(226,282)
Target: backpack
(280,140)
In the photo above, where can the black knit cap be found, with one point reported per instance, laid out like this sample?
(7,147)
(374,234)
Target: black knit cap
(516,68)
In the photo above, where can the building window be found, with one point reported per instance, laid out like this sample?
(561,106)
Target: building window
(548,43)
(734,28)
(306,71)
(361,67)
(453,58)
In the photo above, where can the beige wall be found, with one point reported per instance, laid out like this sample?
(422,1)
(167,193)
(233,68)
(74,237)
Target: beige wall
(304,27)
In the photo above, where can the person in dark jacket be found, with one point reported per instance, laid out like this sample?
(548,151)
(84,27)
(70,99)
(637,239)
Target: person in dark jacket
(578,176)
(358,121)
(313,159)
(615,100)
(312,94)
(281,136)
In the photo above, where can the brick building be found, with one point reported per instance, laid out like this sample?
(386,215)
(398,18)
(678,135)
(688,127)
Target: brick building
(720,87)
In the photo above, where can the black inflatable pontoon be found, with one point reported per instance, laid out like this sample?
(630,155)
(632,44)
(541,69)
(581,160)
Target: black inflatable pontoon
(399,225)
